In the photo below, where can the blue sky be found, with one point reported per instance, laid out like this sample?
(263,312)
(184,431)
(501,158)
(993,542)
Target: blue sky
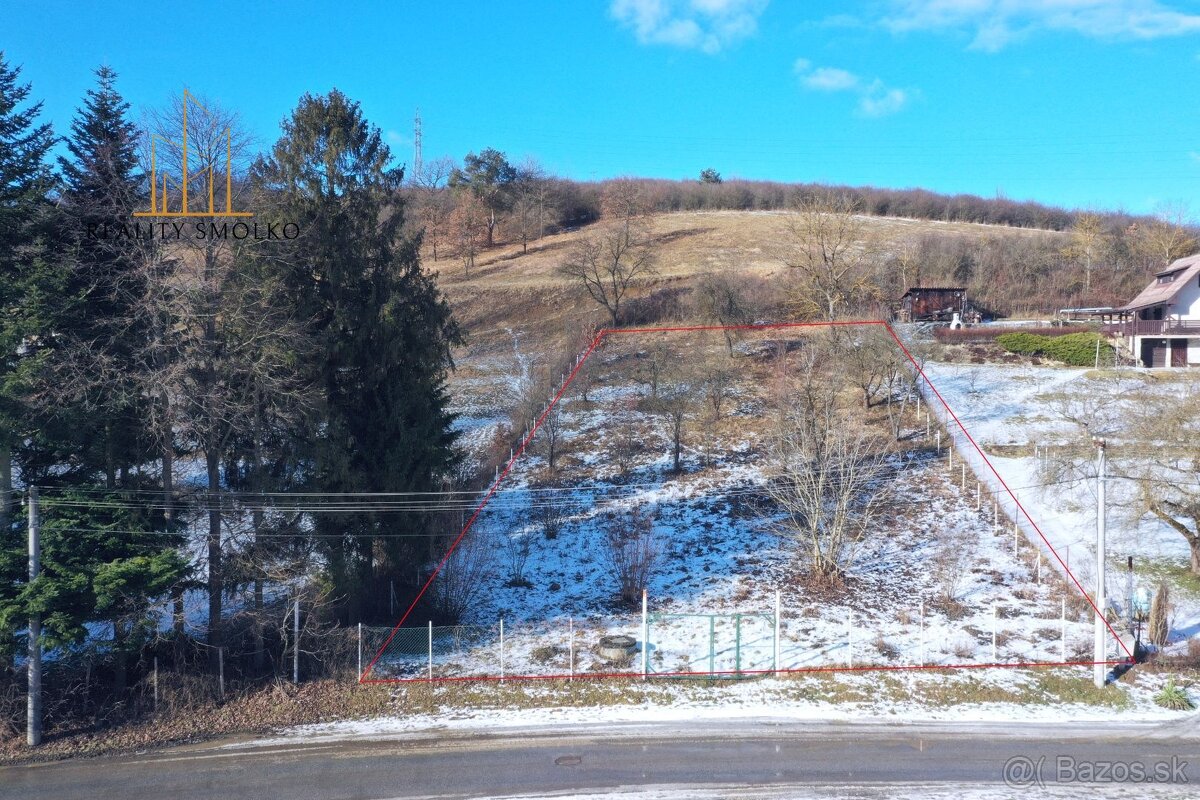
(1084,103)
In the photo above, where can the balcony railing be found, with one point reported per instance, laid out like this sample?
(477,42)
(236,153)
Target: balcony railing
(1154,327)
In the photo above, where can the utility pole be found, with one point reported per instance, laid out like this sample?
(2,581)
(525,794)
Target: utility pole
(1099,654)
(33,729)
(417,145)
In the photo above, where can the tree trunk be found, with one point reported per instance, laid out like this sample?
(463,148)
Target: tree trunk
(6,635)
(110,467)
(1194,543)
(257,521)
(215,578)
(5,487)
(120,676)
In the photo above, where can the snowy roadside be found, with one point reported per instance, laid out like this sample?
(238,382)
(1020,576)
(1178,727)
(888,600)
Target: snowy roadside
(855,699)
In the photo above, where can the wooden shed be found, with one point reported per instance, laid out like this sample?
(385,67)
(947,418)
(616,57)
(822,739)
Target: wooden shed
(935,304)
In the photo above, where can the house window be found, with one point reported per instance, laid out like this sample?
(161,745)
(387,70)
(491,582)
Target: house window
(1167,278)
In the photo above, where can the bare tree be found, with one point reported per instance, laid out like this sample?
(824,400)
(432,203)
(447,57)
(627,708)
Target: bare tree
(468,226)
(518,546)
(619,252)
(870,360)
(434,201)
(828,475)
(827,245)
(632,551)
(673,405)
(1168,236)
(721,297)
(532,202)
(716,381)
(1090,242)
(463,577)
(218,354)
(1152,449)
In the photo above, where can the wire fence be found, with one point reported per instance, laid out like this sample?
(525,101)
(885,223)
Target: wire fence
(733,645)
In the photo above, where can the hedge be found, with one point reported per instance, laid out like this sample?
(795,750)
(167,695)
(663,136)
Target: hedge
(991,333)
(1075,349)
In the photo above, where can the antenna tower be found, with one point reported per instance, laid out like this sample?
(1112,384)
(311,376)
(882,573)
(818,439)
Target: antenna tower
(417,144)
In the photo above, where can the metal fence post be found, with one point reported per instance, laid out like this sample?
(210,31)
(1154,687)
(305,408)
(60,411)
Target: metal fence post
(994,614)
(737,644)
(922,639)
(712,644)
(221,671)
(645,638)
(1064,630)
(431,650)
(360,652)
(502,649)
(849,638)
(571,648)
(777,606)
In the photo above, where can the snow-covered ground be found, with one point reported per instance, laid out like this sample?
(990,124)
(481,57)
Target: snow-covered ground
(1019,409)
(941,584)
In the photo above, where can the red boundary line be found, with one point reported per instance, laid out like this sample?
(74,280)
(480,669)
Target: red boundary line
(791,671)
(596,340)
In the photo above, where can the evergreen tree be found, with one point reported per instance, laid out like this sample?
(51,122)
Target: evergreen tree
(27,280)
(101,324)
(382,335)
(102,562)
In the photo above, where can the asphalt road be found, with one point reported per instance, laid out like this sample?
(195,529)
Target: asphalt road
(794,758)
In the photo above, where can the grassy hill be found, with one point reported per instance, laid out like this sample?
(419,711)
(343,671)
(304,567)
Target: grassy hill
(510,289)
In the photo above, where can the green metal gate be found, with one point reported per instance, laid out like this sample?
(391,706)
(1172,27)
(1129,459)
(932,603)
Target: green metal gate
(711,645)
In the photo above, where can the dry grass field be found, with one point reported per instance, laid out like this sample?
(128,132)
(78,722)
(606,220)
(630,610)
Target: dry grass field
(510,289)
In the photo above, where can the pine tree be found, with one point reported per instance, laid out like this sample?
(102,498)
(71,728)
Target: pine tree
(101,323)
(383,334)
(26,280)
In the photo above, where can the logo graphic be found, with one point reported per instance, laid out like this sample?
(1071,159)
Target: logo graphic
(186,179)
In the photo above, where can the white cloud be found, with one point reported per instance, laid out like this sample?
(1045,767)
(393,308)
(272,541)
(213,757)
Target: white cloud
(880,101)
(875,99)
(996,23)
(1194,156)
(705,25)
(830,79)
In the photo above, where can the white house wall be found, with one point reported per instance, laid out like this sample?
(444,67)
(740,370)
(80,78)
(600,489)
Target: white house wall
(1187,302)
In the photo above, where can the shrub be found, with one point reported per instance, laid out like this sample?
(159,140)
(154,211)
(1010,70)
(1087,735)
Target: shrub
(983,335)
(1074,349)
(1174,697)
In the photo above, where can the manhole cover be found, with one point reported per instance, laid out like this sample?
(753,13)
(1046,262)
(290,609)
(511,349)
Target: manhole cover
(567,761)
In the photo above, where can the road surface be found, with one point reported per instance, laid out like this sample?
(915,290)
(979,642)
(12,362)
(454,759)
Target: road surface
(711,759)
